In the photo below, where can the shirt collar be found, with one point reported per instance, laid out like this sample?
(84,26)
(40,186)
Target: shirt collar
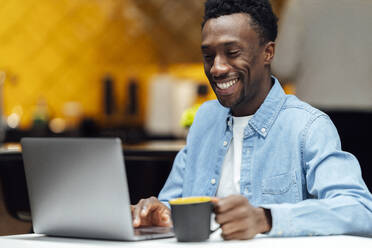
(265,116)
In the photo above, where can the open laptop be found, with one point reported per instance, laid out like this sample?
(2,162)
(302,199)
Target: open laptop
(78,188)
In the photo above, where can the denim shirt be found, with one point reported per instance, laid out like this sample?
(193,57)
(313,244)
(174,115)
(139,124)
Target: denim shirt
(292,164)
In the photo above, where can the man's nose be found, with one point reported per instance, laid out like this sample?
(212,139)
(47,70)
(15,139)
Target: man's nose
(220,67)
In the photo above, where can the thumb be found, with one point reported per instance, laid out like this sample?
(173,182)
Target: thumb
(166,221)
(163,218)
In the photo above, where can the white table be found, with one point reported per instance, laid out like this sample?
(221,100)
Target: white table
(40,241)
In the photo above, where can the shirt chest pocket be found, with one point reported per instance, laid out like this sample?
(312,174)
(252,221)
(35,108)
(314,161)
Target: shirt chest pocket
(280,189)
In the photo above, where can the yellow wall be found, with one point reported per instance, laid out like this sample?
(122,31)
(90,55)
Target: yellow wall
(59,50)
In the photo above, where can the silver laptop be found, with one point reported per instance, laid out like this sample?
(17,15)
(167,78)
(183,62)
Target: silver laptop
(78,188)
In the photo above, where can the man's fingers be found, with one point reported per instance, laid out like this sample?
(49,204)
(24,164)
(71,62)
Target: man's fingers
(228,203)
(243,235)
(235,226)
(132,207)
(136,214)
(234,214)
(165,215)
(162,218)
(142,213)
(145,207)
(150,212)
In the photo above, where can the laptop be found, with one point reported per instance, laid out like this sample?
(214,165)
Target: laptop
(78,188)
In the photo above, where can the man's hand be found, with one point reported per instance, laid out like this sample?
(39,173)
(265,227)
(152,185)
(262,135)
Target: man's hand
(239,219)
(150,212)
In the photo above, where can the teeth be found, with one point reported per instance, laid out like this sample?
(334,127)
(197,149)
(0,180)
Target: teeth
(227,84)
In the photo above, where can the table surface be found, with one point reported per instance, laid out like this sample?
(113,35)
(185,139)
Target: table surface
(149,146)
(40,241)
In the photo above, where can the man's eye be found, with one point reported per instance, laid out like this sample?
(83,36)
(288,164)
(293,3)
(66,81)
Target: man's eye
(233,53)
(207,57)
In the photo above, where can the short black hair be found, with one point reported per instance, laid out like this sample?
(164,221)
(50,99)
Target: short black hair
(264,21)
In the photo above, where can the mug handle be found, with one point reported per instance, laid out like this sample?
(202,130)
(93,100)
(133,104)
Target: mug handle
(215,225)
(213,230)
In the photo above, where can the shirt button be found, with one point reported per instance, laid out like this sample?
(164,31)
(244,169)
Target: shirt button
(213,181)
(263,130)
(225,143)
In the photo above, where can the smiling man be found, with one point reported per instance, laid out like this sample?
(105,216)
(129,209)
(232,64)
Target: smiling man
(273,162)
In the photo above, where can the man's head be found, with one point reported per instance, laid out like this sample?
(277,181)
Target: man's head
(264,20)
(238,46)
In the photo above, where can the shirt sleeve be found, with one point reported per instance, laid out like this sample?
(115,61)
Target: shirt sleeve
(174,184)
(339,203)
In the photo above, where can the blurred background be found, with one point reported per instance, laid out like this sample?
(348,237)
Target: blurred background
(126,68)
(133,69)
(98,68)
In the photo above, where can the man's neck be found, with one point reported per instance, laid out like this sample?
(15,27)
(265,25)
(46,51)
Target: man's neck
(250,108)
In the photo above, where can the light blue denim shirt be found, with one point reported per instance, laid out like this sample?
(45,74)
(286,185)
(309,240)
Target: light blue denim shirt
(292,163)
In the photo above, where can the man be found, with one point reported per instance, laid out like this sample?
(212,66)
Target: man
(273,162)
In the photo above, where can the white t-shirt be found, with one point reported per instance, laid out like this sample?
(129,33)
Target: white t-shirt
(230,175)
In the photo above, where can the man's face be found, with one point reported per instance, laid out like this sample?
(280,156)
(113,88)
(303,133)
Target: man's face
(234,60)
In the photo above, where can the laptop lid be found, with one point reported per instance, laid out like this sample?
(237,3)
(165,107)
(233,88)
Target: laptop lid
(78,187)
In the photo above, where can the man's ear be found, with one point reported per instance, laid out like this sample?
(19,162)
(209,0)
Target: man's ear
(269,52)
